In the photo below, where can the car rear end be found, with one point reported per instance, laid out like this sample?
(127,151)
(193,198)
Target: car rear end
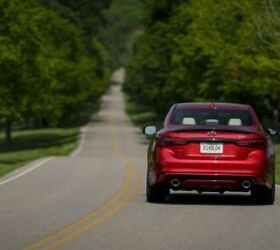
(200,161)
(212,147)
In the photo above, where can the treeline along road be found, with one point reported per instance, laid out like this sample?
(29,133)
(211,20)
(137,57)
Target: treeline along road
(206,50)
(55,55)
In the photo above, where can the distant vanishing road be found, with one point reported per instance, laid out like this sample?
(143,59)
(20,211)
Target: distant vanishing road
(95,199)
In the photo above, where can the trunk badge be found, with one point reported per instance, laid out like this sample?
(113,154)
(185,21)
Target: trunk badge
(211,133)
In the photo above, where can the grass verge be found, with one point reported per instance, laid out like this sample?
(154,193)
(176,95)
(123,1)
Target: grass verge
(29,145)
(141,116)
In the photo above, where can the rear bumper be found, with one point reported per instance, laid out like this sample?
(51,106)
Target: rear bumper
(211,182)
(225,175)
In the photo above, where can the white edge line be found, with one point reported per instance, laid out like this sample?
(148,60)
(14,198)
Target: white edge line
(81,142)
(40,164)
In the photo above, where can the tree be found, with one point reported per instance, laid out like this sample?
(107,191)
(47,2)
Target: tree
(123,20)
(47,67)
(206,50)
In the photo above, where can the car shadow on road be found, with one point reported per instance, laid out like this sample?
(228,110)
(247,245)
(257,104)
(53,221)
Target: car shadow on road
(210,199)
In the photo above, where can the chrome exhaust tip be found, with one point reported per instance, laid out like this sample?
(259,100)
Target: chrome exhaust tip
(175,183)
(247,184)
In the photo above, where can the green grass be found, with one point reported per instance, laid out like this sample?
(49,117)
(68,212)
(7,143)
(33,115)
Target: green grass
(29,145)
(141,116)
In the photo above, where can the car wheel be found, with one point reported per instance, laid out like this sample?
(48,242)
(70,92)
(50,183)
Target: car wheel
(264,195)
(155,194)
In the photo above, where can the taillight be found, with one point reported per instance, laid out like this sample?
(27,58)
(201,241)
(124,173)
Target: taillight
(164,141)
(254,143)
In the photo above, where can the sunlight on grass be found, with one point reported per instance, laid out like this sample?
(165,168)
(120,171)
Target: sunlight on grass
(29,145)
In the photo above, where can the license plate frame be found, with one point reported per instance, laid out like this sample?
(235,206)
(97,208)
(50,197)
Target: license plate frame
(211,148)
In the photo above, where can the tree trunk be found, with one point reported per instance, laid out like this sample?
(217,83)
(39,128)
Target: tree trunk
(8,130)
(45,123)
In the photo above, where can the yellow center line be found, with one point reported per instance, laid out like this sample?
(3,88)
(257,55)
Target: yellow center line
(103,218)
(84,224)
(87,217)
(115,144)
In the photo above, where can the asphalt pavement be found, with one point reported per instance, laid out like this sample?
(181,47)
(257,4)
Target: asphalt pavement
(95,199)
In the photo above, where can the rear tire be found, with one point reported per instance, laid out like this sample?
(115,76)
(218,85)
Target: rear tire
(155,194)
(264,195)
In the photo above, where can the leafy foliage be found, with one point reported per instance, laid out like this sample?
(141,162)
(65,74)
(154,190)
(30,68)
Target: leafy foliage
(209,50)
(123,25)
(51,60)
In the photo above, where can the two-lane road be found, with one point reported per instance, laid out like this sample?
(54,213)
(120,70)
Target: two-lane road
(95,199)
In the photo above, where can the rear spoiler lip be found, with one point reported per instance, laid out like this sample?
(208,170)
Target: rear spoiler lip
(253,130)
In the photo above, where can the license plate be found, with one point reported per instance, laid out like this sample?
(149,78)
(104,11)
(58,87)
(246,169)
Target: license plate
(211,148)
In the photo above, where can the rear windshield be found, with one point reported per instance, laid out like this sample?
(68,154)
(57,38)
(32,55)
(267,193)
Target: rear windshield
(211,117)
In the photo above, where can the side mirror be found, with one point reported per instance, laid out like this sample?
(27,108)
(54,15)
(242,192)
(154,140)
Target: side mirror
(150,130)
(272,132)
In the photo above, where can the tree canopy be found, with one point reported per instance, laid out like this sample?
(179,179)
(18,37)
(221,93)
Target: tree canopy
(208,50)
(51,58)
(123,25)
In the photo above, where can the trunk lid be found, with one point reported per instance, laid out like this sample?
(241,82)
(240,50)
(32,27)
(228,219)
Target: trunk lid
(212,144)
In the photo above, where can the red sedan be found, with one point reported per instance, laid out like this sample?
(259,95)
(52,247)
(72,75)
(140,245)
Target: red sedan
(211,147)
